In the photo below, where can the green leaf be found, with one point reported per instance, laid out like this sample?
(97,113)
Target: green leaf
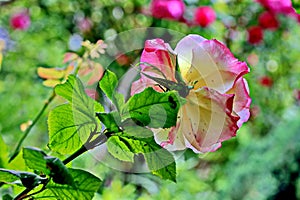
(70,124)
(84,187)
(35,159)
(108,85)
(66,133)
(73,91)
(28,179)
(119,150)
(59,172)
(138,131)
(153,109)
(110,120)
(160,161)
(7,197)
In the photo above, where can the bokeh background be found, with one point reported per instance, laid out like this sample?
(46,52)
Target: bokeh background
(262,162)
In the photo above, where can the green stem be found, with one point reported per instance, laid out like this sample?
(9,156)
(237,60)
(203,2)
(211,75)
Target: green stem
(23,194)
(36,119)
(77,153)
(87,146)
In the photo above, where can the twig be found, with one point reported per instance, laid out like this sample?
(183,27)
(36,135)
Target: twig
(18,147)
(87,146)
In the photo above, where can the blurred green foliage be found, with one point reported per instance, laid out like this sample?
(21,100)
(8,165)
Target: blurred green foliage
(261,163)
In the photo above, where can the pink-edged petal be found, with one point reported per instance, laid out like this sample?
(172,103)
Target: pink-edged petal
(157,60)
(141,84)
(170,138)
(207,119)
(214,66)
(242,100)
(184,50)
(219,69)
(160,55)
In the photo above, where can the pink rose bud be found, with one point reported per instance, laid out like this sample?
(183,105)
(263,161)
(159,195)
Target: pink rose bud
(266,81)
(255,35)
(204,16)
(171,9)
(268,21)
(20,21)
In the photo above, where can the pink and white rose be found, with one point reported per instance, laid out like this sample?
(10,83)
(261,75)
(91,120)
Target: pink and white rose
(218,103)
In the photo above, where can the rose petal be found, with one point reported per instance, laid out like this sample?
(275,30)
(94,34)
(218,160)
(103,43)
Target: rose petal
(157,60)
(214,66)
(242,100)
(184,50)
(170,138)
(207,119)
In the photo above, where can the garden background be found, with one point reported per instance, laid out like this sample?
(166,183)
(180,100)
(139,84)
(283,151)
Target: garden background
(261,162)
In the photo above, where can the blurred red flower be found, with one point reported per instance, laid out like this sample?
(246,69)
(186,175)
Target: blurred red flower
(171,9)
(204,16)
(266,81)
(268,20)
(20,21)
(255,34)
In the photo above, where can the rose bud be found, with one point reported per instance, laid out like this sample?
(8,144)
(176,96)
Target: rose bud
(171,9)
(255,35)
(20,21)
(268,21)
(204,16)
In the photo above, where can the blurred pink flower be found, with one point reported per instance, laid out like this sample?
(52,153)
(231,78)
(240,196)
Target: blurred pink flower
(255,34)
(218,103)
(277,6)
(171,9)
(204,16)
(20,21)
(84,25)
(268,20)
(297,95)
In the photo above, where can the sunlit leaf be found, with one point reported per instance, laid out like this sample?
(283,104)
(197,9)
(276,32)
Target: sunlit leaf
(119,150)
(35,159)
(108,84)
(153,109)
(160,161)
(70,124)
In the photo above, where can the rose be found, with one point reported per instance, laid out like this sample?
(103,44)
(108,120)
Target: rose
(266,81)
(171,9)
(255,34)
(204,16)
(218,103)
(268,21)
(20,21)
